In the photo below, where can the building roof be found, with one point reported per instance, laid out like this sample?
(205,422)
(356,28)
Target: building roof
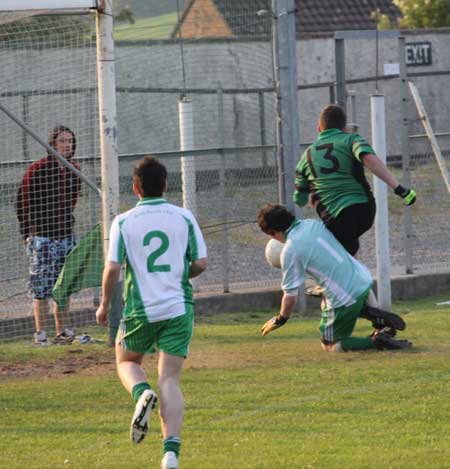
(252,18)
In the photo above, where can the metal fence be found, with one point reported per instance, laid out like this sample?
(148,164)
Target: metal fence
(234,95)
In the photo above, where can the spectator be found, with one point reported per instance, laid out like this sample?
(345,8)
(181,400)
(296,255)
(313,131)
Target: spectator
(45,204)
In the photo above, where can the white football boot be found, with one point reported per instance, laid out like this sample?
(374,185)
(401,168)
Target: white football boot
(141,417)
(169,461)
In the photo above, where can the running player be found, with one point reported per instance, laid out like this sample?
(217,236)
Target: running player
(163,247)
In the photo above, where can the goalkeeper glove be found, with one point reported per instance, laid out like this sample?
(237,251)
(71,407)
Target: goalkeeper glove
(408,194)
(274,323)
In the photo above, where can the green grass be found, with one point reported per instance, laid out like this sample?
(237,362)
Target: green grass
(159,27)
(253,402)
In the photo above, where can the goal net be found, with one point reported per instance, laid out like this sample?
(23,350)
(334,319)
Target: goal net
(47,80)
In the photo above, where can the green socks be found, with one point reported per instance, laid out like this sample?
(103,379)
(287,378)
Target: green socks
(172,443)
(357,343)
(138,389)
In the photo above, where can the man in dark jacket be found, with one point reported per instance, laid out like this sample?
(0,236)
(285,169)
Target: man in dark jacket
(46,200)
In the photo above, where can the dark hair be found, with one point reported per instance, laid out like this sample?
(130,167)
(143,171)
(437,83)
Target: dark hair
(274,217)
(332,117)
(53,135)
(150,176)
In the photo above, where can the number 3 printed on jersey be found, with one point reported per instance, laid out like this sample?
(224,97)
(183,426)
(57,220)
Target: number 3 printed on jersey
(158,252)
(328,156)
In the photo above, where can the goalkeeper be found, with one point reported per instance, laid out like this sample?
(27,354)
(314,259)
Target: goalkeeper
(330,175)
(309,248)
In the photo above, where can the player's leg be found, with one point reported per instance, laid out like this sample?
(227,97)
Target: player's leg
(336,327)
(134,339)
(173,343)
(351,223)
(171,406)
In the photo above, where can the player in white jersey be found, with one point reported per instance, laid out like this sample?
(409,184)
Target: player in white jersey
(162,247)
(311,249)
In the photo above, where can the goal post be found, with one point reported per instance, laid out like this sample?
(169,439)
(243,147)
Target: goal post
(30,5)
(57,71)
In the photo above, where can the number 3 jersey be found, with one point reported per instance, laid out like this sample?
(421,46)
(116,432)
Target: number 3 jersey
(331,172)
(157,241)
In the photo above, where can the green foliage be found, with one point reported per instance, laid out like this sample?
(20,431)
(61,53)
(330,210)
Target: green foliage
(159,27)
(382,20)
(251,402)
(44,31)
(424,13)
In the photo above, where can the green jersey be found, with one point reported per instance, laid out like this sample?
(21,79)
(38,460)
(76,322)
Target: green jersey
(331,171)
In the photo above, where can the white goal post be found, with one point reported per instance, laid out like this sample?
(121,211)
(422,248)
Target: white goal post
(24,5)
(58,72)
(106,92)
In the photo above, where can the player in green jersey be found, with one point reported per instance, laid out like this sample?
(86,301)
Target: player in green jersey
(330,175)
(310,249)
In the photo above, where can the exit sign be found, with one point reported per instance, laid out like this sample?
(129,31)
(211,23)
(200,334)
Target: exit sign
(418,53)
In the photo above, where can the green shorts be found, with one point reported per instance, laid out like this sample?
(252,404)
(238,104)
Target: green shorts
(171,336)
(337,324)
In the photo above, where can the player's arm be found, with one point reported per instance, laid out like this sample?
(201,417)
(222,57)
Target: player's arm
(301,193)
(293,278)
(110,278)
(380,170)
(111,272)
(197,267)
(196,251)
(288,303)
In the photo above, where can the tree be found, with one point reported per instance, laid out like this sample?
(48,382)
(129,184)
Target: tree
(122,11)
(424,13)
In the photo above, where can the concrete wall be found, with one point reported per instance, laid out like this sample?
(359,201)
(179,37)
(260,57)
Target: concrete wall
(149,121)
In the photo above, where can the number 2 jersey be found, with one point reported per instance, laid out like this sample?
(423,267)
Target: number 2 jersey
(157,241)
(331,171)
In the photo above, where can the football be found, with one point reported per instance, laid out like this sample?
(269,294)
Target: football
(273,253)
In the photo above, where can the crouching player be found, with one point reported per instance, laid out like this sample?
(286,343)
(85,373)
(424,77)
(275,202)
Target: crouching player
(311,249)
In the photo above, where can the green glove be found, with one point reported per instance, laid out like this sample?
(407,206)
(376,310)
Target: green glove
(409,195)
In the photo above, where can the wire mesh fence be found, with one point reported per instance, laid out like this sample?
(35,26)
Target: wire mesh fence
(48,79)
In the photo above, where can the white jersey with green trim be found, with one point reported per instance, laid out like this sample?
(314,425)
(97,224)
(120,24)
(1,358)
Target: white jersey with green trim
(311,249)
(157,241)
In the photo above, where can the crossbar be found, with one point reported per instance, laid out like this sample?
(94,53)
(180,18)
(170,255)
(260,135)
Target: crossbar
(23,5)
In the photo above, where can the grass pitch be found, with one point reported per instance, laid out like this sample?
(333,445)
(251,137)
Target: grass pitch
(251,402)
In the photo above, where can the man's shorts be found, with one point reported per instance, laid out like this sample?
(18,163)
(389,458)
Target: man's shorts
(47,258)
(171,336)
(337,324)
(351,223)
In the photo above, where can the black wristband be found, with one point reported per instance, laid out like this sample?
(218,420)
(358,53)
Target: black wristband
(400,190)
(280,320)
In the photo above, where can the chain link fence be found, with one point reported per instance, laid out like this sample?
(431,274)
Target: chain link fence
(230,83)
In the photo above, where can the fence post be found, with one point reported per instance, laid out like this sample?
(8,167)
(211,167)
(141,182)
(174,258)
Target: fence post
(377,109)
(404,140)
(26,119)
(223,204)
(284,45)
(339,54)
(262,126)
